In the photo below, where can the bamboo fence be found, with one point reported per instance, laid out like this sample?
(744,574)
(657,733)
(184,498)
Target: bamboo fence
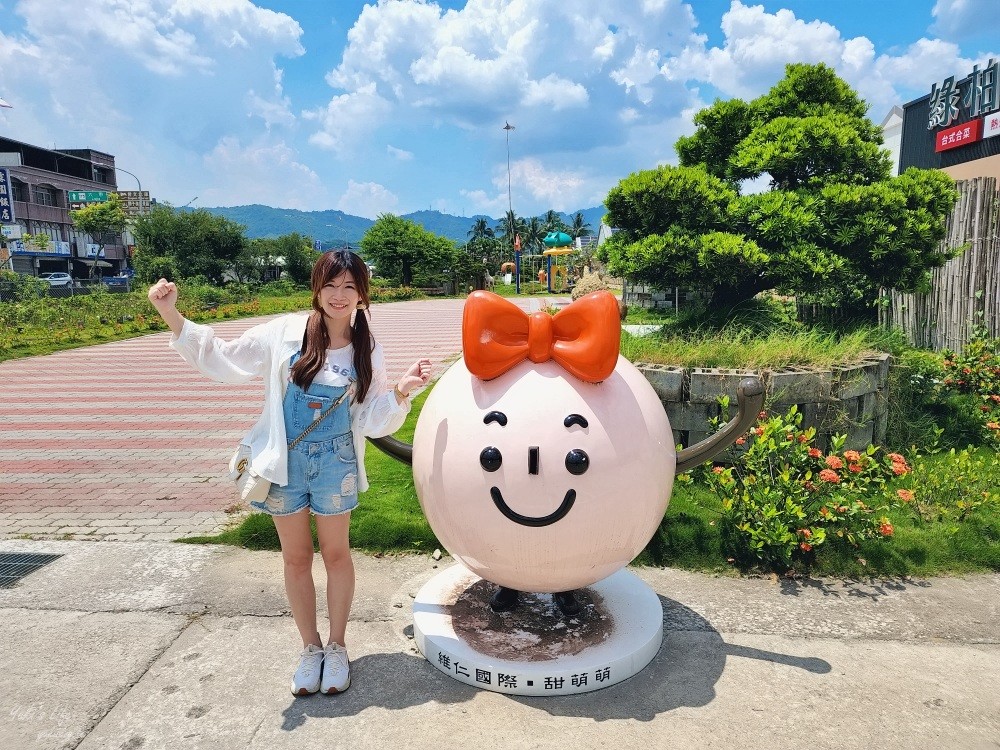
(965,291)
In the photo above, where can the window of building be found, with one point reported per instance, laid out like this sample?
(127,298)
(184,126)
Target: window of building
(20,190)
(45,195)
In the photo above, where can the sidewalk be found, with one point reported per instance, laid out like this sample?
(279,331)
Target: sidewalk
(155,645)
(125,442)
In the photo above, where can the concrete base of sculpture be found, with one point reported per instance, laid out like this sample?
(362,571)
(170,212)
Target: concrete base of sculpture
(536,650)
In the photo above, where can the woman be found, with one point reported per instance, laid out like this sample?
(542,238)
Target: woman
(308,362)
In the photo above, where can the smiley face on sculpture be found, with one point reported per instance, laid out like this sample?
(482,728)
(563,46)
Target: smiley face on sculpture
(543,470)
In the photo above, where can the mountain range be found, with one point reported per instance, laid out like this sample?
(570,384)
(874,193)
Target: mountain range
(335,228)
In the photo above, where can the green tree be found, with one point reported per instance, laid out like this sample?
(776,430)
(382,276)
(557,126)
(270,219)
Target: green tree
(186,244)
(533,234)
(580,227)
(101,221)
(553,222)
(299,256)
(833,222)
(403,250)
(481,229)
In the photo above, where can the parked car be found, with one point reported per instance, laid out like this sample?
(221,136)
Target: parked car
(57,279)
(120,281)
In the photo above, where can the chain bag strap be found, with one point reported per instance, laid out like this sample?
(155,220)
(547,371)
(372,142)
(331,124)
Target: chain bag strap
(321,417)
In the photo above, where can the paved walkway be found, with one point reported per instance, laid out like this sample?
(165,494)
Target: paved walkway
(125,442)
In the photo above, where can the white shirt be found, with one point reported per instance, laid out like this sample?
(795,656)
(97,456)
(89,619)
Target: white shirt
(338,370)
(264,351)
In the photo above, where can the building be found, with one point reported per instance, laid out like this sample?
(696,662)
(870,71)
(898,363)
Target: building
(41,180)
(954,127)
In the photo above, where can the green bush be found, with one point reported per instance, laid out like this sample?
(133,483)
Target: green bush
(783,498)
(18,287)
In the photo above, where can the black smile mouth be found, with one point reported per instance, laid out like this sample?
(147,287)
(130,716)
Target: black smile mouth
(551,518)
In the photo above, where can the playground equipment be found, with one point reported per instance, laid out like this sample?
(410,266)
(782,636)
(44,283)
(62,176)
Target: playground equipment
(556,244)
(508,269)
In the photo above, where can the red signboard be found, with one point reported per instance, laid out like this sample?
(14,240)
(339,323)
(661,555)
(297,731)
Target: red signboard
(958,135)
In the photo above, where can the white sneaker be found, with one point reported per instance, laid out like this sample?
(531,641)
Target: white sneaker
(336,669)
(306,679)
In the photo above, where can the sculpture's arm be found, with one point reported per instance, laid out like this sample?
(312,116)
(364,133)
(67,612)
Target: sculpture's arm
(750,395)
(402,452)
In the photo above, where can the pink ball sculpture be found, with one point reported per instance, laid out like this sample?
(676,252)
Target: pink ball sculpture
(543,460)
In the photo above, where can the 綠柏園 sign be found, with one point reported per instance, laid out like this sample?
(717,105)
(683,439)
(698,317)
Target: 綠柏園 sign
(980,98)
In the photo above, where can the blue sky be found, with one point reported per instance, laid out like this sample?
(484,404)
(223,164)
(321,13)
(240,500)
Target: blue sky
(397,106)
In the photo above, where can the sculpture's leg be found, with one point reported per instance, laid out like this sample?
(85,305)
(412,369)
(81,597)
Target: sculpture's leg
(567,603)
(504,600)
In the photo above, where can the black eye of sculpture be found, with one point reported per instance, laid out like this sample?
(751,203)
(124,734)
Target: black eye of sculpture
(490,458)
(577,461)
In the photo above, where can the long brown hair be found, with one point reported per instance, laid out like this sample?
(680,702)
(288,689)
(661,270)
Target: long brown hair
(317,339)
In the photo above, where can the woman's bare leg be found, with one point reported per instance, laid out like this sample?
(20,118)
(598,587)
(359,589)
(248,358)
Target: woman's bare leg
(335,548)
(297,554)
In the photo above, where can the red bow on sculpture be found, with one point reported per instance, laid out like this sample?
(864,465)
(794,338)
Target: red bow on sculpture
(584,337)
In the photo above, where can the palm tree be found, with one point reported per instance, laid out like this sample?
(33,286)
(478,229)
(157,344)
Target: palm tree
(511,225)
(481,229)
(554,222)
(533,234)
(581,227)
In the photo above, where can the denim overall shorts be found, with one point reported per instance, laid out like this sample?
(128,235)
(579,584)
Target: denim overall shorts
(323,467)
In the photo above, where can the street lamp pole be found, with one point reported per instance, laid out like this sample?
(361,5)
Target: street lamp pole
(507,127)
(119,169)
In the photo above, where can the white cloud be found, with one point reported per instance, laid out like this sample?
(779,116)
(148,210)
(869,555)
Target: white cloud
(368,199)
(541,63)
(260,172)
(758,45)
(399,153)
(961,19)
(173,79)
(348,119)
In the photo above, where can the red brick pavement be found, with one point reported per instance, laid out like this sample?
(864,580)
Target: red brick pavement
(125,441)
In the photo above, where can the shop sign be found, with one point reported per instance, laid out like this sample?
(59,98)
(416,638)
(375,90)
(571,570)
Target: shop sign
(10,231)
(6,198)
(60,247)
(981,97)
(958,135)
(135,202)
(991,125)
(93,249)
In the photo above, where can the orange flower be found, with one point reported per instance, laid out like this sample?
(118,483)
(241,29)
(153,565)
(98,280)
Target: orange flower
(717,469)
(897,458)
(885,529)
(905,495)
(828,475)
(834,463)
(900,469)
(806,533)
(854,468)
(805,546)
(741,440)
(824,512)
(993,425)
(762,415)
(815,453)
(758,431)
(852,456)
(803,439)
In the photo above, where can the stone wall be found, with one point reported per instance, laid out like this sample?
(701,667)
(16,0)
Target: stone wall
(846,399)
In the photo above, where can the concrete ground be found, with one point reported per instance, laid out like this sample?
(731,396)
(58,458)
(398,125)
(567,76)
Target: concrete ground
(155,645)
